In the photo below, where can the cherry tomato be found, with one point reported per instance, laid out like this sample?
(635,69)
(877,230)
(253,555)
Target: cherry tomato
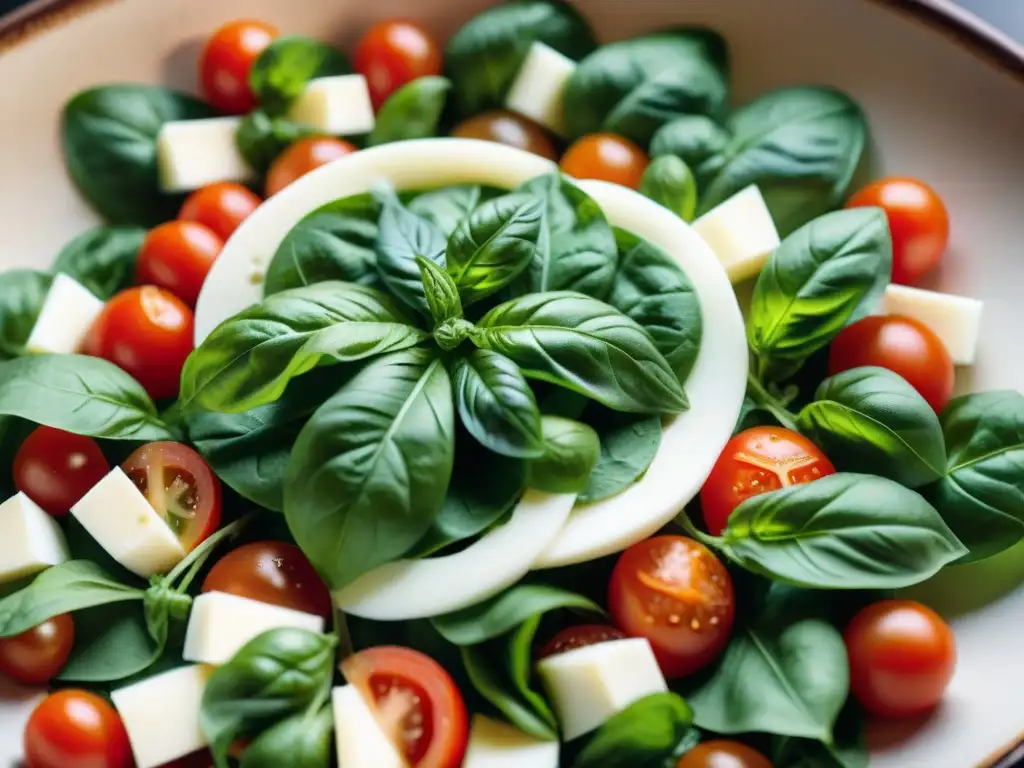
(73,728)
(901,344)
(221,207)
(417,704)
(393,53)
(303,156)
(201,759)
(755,461)
(509,129)
(676,593)
(177,255)
(581,636)
(37,655)
(226,60)
(723,754)
(606,157)
(180,486)
(272,572)
(55,468)
(918,222)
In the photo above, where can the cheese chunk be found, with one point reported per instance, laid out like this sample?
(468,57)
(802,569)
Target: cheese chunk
(538,89)
(30,540)
(338,106)
(119,517)
(161,714)
(956,320)
(193,153)
(741,233)
(589,685)
(68,312)
(358,738)
(220,624)
(493,744)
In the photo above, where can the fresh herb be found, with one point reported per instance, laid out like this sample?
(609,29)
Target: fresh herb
(22,293)
(260,138)
(697,140)
(300,741)
(670,183)
(284,68)
(571,450)
(412,112)
(846,749)
(402,238)
(643,735)
(629,443)
(111,644)
(448,207)
(102,259)
(440,291)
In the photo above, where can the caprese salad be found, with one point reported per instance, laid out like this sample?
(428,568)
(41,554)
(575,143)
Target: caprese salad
(462,455)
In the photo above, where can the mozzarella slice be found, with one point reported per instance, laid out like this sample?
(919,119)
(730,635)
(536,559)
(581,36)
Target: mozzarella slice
(359,740)
(589,685)
(741,232)
(67,314)
(193,153)
(338,106)
(493,744)
(537,91)
(119,517)
(956,320)
(30,540)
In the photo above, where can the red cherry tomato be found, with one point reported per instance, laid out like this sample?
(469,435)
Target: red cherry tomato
(723,754)
(676,593)
(509,129)
(393,53)
(581,636)
(221,207)
(606,157)
(302,157)
(902,345)
(417,704)
(55,468)
(177,256)
(180,486)
(918,222)
(36,656)
(226,61)
(272,572)
(71,729)
(755,461)
(902,657)
(147,331)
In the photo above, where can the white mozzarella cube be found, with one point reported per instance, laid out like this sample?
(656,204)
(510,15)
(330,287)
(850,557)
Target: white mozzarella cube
(741,232)
(338,106)
(68,312)
(119,517)
(956,320)
(589,685)
(161,714)
(193,153)
(537,92)
(358,738)
(493,744)
(30,540)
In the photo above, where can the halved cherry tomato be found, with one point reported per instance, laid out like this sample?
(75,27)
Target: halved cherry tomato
(36,656)
(606,157)
(180,486)
(226,60)
(509,129)
(581,636)
(147,331)
(303,156)
(393,53)
(221,207)
(417,704)
(719,753)
(756,461)
(177,255)
(676,593)
(72,728)
(55,468)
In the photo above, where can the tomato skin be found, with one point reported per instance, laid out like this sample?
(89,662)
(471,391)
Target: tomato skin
(918,221)
(902,657)
(509,129)
(36,656)
(55,468)
(580,636)
(904,346)
(272,572)
(676,593)
(177,255)
(303,156)
(221,207)
(720,753)
(606,157)
(393,53)
(226,60)
(76,729)
(756,461)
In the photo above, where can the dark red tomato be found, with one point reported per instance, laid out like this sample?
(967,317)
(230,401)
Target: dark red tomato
(676,593)
(220,207)
(902,657)
(579,637)
(756,461)
(723,754)
(55,468)
(272,572)
(606,157)
(226,61)
(901,344)
(201,759)
(180,486)
(417,704)
(918,222)
(36,656)
(177,256)
(393,53)
(72,729)
(147,331)
(303,156)
(509,129)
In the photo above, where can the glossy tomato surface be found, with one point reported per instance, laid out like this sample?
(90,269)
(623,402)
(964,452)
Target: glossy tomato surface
(36,656)
(509,129)
(720,753)
(76,729)
(571,638)
(55,468)
(220,207)
(226,60)
(676,593)
(393,53)
(606,157)
(303,156)
(177,255)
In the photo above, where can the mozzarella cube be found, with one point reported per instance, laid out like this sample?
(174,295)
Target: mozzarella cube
(30,540)
(338,105)
(537,92)
(67,314)
(358,737)
(589,685)
(161,714)
(119,517)
(193,153)
(493,744)
(741,232)
(956,320)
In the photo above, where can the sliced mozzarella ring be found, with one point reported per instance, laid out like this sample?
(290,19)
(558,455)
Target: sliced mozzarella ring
(956,320)
(493,744)
(741,232)
(537,92)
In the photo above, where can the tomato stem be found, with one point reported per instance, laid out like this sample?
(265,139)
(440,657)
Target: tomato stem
(757,392)
(198,556)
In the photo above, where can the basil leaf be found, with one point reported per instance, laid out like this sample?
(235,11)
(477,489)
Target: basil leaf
(260,138)
(284,68)
(440,291)
(697,140)
(643,735)
(22,293)
(370,469)
(102,259)
(847,748)
(844,531)
(299,741)
(412,112)
(670,183)
(629,444)
(402,238)
(248,360)
(585,345)
(450,206)
(571,449)
(112,642)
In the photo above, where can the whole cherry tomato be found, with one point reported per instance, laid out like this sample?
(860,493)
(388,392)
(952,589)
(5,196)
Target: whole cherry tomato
(226,60)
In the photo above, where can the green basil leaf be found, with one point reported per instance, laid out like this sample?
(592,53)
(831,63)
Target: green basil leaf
(22,293)
(629,443)
(847,748)
(260,138)
(402,238)
(299,741)
(102,259)
(571,450)
(441,292)
(112,642)
(643,735)
(450,206)
(248,360)
(281,72)
(412,112)
(697,140)
(670,183)
(370,469)
(13,433)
